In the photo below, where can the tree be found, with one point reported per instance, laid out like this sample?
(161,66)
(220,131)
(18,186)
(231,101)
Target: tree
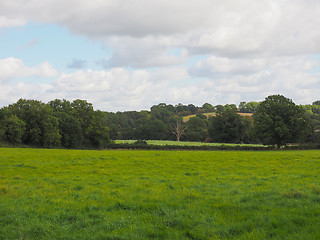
(196,129)
(231,107)
(279,121)
(97,133)
(229,127)
(151,129)
(207,107)
(70,130)
(249,107)
(178,128)
(220,108)
(14,129)
(41,126)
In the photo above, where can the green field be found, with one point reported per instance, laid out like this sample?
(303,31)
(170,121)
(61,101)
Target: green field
(73,194)
(183,143)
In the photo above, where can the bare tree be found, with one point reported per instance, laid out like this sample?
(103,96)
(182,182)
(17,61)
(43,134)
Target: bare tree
(178,129)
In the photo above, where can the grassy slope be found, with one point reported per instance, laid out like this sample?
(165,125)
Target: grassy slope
(187,118)
(71,194)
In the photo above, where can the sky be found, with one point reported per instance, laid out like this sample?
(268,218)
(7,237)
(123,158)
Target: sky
(123,55)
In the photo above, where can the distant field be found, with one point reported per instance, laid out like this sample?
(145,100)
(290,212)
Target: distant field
(182,143)
(186,118)
(126,194)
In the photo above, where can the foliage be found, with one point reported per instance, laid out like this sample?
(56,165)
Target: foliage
(61,123)
(249,107)
(196,129)
(41,126)
(14,129)
(72,125)
(229,127)
(279,121)
(70,130)
(64,194)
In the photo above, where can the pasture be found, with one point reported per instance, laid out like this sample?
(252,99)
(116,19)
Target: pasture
(185,143)
(120,194)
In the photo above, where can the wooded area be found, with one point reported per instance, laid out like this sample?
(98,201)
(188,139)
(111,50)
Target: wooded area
(61,123)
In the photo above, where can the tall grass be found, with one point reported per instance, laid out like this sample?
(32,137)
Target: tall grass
(71,194)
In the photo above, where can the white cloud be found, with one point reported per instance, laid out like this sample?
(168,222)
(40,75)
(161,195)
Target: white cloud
(11,68)
(252,48)
(6,22)
(119,89)
(221,65)
(149,51)
(226,28)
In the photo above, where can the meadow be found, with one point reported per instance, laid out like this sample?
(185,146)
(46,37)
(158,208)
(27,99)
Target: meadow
(126,194)
(186,143)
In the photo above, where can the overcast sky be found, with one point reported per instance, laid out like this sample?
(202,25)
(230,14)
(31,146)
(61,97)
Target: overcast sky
(131,54)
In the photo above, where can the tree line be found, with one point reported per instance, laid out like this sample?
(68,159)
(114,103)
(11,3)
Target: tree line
(61,123)
(57,123)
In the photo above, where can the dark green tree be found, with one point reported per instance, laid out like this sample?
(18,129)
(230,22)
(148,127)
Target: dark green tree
(196,129)
(41,126)
(14,129)
(229,127)
(249,107)
(207,107)
(220,108)
(70,130)
(151,130)
(97,133)
(279,121)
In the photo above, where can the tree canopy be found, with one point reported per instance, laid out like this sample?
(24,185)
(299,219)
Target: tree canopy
(279,121)
(58,123)
(62,123)
(229,127)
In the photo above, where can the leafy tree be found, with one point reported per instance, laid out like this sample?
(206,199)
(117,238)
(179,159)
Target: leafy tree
(196,129)
(83,111)
(41,126)
(192,109)
(249,107)
(316,102)
(207,107)
(229,127)
(230,107)
(59,105)
(97,133)
(242,106)
(279,121)
(70,130)
(151,129)
(14,129)
(112,121)
(220,108)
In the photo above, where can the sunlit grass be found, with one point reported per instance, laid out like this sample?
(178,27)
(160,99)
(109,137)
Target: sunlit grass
(182,143)
(71,194)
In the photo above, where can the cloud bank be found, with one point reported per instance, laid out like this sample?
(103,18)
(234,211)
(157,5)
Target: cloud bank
(174,51)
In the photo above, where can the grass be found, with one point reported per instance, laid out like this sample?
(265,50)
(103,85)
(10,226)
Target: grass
(212,114)
(73,194)
(182,143)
